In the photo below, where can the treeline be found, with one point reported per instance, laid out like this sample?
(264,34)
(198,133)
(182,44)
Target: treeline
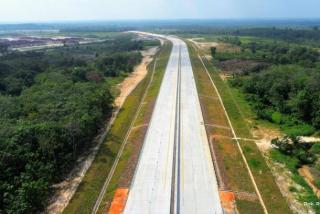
(286,90)
(286,34)
(303,34)
(52,104)
(18,70)
(288,95)
(114,64)
(272,52)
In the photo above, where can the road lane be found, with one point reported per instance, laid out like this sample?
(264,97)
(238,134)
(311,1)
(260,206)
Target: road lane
(151,188)
(199,190)
(175,163)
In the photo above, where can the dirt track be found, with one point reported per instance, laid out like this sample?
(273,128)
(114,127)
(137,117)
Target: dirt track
(135,77)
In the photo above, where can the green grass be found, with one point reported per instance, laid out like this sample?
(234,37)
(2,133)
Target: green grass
(249,207)
(290,162)
(238,113)
(89,189)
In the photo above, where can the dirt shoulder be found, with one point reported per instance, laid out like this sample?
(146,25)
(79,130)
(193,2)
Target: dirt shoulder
(140,71)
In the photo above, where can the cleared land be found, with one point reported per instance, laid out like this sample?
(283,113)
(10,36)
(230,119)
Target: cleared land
(231,166)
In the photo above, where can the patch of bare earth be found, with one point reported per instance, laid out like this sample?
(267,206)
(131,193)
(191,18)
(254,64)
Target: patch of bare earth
(140,71)
(225,76)
(282,175)
(305,172)
(239,66)
(284,180)
(310,139)
(65,190)
(265,135)
(205,46)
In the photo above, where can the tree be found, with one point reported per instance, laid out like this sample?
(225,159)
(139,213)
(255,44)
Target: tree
(213,51)
(4,48)
(294,146)
(52,104)
(253,47)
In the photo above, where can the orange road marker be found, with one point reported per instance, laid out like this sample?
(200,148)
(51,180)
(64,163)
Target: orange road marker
(228,202)
(119,201)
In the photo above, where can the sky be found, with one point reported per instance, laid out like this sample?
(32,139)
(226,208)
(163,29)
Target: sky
(81,10)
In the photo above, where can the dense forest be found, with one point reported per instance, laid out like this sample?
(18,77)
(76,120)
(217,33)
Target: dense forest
(307,35)
(52,104)
(274,52)
(286,34)
(284,85)
(287,95)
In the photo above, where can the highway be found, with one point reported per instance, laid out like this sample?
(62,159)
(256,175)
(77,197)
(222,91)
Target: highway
(175,172)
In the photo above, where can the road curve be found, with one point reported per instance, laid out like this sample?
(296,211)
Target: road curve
(175,172)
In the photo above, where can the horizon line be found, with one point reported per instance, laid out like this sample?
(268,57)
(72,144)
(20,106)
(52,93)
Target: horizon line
(58,21)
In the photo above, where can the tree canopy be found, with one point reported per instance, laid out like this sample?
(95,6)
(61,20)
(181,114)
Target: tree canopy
(52,104)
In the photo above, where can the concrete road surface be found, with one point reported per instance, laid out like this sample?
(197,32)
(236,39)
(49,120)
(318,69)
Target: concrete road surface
(175,172)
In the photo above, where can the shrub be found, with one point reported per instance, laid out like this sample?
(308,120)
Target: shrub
(299,130)
(292,163)
(276,117)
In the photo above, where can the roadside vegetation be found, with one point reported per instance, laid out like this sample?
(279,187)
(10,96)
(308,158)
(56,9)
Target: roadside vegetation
(52,105)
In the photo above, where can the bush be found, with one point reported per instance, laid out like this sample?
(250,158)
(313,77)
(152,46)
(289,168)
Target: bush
(315,149)
(291,163)
(299,130)
(293,147)
(292,189)
(317,183)
(276,117)
(254,163)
